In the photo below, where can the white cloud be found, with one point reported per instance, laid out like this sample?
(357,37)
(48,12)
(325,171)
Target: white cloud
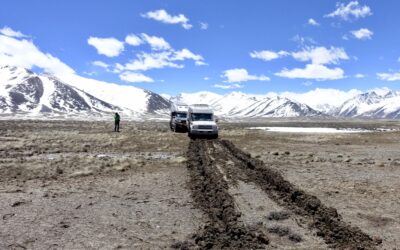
(362,34)
(100,64)
(133,40)
(159,60)
(241,75)
(313,71)
(146,61)
(164,17)
(228,86)
(307,83)
(268,55)
(7,31)
(206,78)
(321,55)
(23,53)
(109,47)
(359,76)
(134,77)
(155,42)
(200,63)
(183,54)
(302,41)
(352,10)
(318,56)
(393,76)
(203,26)
(312,22)
(91,73)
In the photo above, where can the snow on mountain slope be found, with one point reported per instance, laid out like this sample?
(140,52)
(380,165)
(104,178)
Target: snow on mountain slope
(237,104)
(233,103)
(388,108)
(375,104)
(203,97)
(24,91)
(276,107)
(128,97)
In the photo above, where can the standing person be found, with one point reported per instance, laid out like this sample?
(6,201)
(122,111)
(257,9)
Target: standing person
(116,122)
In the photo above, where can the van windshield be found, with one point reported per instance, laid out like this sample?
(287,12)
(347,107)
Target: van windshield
(181,115)
(202,117)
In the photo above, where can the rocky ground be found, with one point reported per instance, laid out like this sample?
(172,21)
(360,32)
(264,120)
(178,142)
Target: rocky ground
(78,185)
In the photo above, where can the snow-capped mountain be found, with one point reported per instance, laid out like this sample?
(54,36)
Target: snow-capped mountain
(274,107)
(240,105)
(198,97)
(372,104)
(27,93)
(22,91)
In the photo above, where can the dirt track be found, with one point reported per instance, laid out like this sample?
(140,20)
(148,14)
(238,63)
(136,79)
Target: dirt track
(214,165)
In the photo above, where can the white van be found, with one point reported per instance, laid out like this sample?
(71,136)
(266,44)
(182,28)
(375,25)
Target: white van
(178,121)
(201,121)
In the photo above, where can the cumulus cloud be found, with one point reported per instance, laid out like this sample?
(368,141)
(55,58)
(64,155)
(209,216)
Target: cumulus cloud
(241,75)
(133,40)
(155,42)
(318,56)
(313,71)
(203,26)
(147,61)
(392,76)
(359,76)
(321,55)
(100,64)
(162,55)
(353,10)
(228,86)
(303,40)
(312,22)
(109,47)
(7,31)
(20,52)
(134,77)
(362,34)
(158,60)
(183,54)
(164,17)
(268,55)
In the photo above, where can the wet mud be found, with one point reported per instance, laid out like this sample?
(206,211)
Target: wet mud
(326,220)
(224,228)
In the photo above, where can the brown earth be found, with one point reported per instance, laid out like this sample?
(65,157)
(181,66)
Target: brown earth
(77,185)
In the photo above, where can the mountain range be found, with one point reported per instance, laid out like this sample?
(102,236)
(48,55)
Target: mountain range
(28,94)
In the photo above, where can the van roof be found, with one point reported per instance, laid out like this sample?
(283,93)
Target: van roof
(200,108)
(179,107)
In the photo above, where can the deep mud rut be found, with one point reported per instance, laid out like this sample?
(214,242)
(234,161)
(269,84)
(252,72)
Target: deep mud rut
(235,190)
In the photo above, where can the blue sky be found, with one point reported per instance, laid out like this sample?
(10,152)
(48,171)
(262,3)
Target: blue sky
(219,46)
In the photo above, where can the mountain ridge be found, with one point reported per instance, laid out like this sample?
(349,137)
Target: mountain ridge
(25,92)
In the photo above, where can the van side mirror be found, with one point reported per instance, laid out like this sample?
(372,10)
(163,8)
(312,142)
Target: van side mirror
(216,120)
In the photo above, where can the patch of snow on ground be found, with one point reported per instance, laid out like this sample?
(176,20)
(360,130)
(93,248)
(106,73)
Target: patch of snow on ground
(311,130)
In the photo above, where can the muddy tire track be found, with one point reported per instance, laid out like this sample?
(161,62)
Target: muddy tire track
(223,229)
(325,220)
